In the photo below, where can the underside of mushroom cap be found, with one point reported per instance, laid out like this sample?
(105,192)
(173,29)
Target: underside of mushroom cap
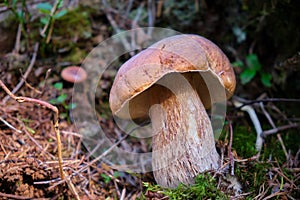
(177,54)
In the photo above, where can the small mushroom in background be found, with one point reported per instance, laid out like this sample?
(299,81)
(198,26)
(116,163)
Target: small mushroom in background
(167,83)
(74,74)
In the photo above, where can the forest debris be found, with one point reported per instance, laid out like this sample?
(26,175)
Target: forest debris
(56,118)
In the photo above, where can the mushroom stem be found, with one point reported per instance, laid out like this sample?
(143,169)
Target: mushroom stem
(183,144)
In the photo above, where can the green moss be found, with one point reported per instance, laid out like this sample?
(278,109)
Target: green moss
(257,173)
(205,187)
(76,55)
(75,23)
(253,174)
(244,141)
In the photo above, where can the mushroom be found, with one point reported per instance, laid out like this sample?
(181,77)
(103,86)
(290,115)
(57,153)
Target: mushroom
(74,74)
(169,83)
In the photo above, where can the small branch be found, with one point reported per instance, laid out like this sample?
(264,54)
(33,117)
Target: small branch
(280,128)
(279,193)
(28,85)
(230,149)
(20,84)
(50,21)
(49,106)
(129,6)
(274,127)
(9,125)
(113,23)
(73,189)
(255,121)
(151,16)
(122,197)
(245,102)
(93,161)
(267,115)
(134,25)
(12,196)
(18,38)
(160,4)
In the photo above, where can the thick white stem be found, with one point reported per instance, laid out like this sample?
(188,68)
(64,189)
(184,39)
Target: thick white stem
(183,144)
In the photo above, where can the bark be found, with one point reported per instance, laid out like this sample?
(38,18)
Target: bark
(183,144)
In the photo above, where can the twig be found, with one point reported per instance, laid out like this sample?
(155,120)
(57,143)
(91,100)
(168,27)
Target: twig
(20,84)
(3,149)
(245,102)
(134,25)
(255,157)
(72,133)
(279,171)
(113,23)
(9,125)
(28,85)
(73,189)
(123,194)
(49,106)
(12,196)
(50,22)
(18,38)
(283,146)
(254,119)
(274,127)
(45,80)
(44,182)
(129,6)
(275,194)
(229,150)
(267,114)
(160,4)
(34,141)
(280,128)
(151,16)
(93,161)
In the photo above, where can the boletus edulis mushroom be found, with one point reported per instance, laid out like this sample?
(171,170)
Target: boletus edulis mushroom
(166,83)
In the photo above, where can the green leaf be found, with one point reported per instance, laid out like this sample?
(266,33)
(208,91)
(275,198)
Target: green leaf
(247,75)
(6,3)
(266,79)
(106,178)
(238,63)
(117,174)
(63,115)
(253,62)
(44,8)
(30,130)
(60,4)
(44,20)
(60,14)
(20,15)
(53,101)
(58,85)
(71,106)
(61,98)
(239,33)
(14,2)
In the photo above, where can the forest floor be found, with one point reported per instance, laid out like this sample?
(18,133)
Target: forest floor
(29,146)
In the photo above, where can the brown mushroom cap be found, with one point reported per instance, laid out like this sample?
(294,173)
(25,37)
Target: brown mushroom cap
(74,74)
(181,54)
